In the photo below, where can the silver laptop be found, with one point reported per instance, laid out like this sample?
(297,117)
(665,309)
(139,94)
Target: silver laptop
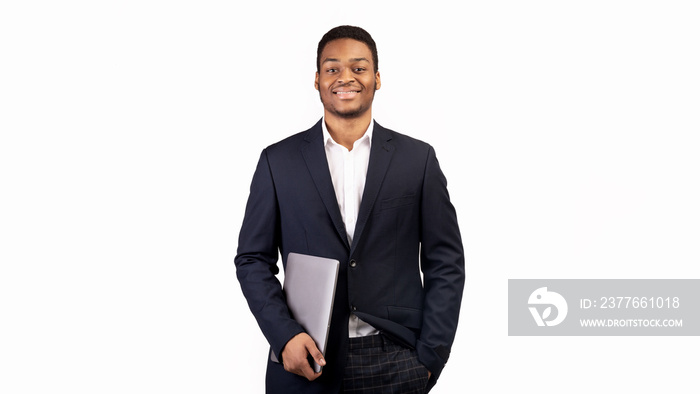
(309,283)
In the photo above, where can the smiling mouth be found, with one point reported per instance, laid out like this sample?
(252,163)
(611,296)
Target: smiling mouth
(347,94)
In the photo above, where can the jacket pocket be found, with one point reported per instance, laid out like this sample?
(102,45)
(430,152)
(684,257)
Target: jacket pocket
(398,202)
(407,317)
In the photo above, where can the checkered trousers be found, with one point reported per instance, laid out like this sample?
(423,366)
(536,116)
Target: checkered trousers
(376,365)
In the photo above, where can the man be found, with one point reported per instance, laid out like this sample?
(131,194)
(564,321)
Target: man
(377,201)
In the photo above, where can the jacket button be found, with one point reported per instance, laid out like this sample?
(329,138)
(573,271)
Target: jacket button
(353,263)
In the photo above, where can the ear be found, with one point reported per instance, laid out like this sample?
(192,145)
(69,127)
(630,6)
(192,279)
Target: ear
(377,81)
(316,81)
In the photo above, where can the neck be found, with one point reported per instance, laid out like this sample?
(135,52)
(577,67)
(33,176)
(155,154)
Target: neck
(345,131)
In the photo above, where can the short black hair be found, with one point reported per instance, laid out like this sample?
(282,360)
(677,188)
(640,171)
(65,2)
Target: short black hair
(345,31)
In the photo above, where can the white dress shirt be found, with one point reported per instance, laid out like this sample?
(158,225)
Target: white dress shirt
(348,172)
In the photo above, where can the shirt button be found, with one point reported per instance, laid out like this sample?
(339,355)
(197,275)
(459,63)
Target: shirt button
(354,308)
(353,263)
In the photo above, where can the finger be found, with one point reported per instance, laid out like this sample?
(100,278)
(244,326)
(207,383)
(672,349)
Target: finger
(316,354)
(302,369)
(308,372)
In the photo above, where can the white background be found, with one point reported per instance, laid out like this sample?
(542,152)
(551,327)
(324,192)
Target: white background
(130,130)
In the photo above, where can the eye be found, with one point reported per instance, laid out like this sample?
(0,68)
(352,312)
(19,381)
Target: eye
(332,70)
(359,69)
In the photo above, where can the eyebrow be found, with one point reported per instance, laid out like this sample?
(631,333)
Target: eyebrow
(355,59)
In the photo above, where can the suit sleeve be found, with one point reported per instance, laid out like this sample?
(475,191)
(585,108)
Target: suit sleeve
(442,263)
(256,261)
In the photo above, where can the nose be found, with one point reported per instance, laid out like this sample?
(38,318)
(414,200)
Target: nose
(346,75)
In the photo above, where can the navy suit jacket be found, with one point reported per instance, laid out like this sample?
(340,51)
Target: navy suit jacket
(406,224)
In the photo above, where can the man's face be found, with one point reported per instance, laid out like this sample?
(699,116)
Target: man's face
(346,80)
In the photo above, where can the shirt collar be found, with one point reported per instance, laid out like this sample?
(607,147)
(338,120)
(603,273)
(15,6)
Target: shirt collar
(328,139)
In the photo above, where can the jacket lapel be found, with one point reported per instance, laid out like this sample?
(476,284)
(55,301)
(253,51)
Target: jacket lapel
(379,159)
(315,156)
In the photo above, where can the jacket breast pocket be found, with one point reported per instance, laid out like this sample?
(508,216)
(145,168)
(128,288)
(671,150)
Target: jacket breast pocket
(398,202)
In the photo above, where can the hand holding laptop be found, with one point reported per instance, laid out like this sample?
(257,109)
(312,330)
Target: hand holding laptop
(295,356)
(309,285)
